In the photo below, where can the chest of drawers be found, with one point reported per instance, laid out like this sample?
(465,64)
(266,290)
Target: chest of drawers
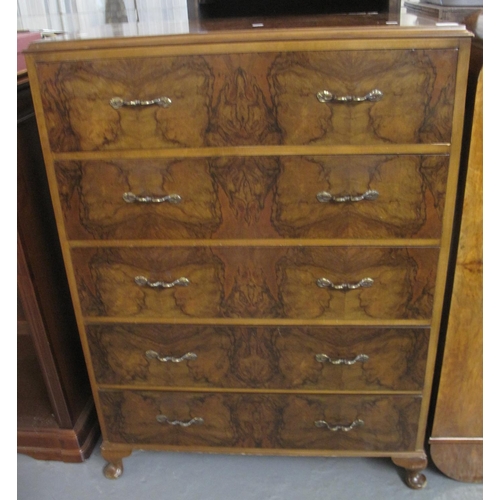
(256,228)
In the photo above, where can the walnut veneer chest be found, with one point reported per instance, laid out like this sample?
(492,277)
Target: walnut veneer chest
(256,228)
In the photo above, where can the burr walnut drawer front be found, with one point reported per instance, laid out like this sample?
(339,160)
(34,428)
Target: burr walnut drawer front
(273,421)
(270,98)
(322,358)
(256,282)
(375,196)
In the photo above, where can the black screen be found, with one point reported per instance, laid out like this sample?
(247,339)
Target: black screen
(243,8)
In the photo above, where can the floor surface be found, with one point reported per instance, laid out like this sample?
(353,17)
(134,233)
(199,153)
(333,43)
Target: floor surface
(190,476)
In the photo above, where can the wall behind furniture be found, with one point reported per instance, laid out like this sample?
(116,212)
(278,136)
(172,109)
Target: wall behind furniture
(84,15)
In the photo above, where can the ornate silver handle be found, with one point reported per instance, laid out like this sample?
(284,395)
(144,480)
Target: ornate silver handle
(118,102)
(335,428)
(326,283)
(170,198)
(323,358)
(143,281)
(164,359)
(372,96)
(163,419)
(325,197)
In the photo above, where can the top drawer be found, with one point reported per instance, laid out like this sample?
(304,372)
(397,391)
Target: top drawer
(250,99)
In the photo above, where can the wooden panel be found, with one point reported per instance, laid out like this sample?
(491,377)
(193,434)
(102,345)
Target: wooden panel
(66,445)
(266,98)
(461,380)
(254,197)
(53,391)
(259,357)
(417,80)
(34,407)
(460,390)
(459,460)
(257,282)
(262,421)
(83,118)
(410,201)
(42,282)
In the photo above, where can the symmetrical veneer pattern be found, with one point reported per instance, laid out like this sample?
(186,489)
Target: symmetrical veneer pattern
(256,282)
(255,197)
(259,357)
(262,420)
(266,98)
(256,227)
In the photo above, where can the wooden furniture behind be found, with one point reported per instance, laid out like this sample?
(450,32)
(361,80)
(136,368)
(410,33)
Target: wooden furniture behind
(456,442)
(56,418)
(455,427)
(256,265)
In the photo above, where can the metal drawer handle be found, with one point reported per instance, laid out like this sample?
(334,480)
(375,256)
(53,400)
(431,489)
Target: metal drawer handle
(132,198)
(143,281)
(326,283)
(372,96)
(163,419)
(118,102)
(335,428)
(325,197)
(323,358)
(166,359)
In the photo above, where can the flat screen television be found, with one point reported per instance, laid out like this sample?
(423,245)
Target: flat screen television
(244,8)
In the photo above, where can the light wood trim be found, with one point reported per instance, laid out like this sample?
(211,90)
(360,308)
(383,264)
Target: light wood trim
(128,387)
(456,440)
(253,41)
(127,448)
(257,322)
(244,48)
(399,243)
(448,216)
(243,151)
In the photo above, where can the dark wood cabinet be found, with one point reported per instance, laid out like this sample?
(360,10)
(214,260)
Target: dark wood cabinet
(56,417)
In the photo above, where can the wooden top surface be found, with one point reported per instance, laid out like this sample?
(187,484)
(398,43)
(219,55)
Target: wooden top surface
(191,24)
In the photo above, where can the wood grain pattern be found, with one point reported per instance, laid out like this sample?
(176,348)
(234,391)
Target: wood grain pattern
(254,197)
(266,98)
(79,117)
(259,357)
(460,461)
(257,282)
(460,390)
(55,412)
(251,145)
(461,379)
(262,421)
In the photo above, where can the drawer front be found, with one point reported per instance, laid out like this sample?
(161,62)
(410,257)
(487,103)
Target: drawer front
(256,282)
(260,357)
(258,197)
(262,421)
(250,99)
